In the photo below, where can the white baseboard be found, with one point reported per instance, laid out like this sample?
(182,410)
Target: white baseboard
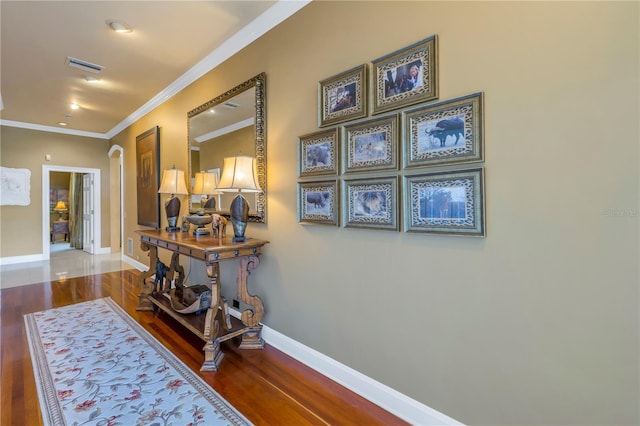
(385,397)
(20,259)
(131,261)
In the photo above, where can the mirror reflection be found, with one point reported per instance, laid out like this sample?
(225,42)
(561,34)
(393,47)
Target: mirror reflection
(229,125)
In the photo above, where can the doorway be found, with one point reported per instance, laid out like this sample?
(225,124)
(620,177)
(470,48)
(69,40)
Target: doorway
(90,221)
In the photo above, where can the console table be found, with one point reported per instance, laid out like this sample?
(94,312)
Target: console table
(211,251)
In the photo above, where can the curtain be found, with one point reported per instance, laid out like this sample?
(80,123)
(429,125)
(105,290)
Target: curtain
(75,211)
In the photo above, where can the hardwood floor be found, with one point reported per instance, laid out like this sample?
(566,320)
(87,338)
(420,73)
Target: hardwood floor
(267,386)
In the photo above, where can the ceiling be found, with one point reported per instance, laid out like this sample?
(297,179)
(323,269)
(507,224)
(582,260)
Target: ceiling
(172,44)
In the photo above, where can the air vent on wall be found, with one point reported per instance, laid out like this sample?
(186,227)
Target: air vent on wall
(230,105)
(84,65)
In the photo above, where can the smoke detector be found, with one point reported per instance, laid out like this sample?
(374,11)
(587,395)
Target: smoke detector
(84,65)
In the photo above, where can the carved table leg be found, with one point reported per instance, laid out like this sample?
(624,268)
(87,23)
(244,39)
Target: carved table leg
(252,339)
(147,288)
(212,353)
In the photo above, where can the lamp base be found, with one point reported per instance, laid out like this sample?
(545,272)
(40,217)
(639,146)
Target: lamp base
(172,209)
(239,213)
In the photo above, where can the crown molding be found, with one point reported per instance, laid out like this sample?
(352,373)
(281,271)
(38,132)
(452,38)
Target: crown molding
(273,16)
(258,27)
(51,129)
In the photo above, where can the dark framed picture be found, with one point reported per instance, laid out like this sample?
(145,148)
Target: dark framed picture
(371,145)
(449,203)
(406,77)
(318,202)
(318,153)
(444,133)
(371,203)
(343,97)
(148,177)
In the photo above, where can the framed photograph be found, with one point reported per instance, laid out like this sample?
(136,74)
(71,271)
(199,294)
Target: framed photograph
(406,77)
(371,145)
(371,203)
(148,177)
(445,203)
(343,97)
(444,133)
(318,153)
(318,202)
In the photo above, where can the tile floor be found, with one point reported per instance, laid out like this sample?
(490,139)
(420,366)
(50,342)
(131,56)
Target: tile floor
(63,263)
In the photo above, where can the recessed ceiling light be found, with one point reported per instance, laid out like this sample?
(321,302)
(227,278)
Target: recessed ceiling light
(91,79)
(118,26)
(75,106)
(62,123)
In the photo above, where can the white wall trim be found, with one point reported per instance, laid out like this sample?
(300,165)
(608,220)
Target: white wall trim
(385,397)
(131,261)
(112,151)
(20,259)
(255,29)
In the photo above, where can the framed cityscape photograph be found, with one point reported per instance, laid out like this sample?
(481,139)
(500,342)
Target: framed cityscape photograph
(318,202)
(371,145)
(371,203)
(406,76)
(444,133)
(318,153)
(343,97)
(449,203)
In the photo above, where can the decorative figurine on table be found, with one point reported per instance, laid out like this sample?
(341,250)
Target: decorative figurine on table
(219,225)
(185,225)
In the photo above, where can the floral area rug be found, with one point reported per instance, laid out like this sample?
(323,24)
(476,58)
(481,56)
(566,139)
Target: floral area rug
(94,365)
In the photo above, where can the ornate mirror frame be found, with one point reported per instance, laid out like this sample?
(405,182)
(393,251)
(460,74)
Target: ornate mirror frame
(257,83)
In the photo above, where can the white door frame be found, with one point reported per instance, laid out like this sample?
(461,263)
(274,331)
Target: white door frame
(111,154)
(46,169)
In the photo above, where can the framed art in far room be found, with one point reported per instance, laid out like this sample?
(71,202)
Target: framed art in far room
(318,153)
(447,202)
(405,77)
(371,145)
(371,203)
(444,133)
(318,202)
(343,97)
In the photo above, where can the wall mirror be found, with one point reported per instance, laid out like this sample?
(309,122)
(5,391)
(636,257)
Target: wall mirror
(228,125)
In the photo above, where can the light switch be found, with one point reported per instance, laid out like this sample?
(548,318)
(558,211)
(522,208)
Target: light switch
(47,157)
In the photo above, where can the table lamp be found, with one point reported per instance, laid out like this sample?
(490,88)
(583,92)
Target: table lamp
(206,185)
(60,207)
(239,174)
(172,183)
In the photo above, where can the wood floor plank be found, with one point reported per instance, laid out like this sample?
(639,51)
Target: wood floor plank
(267,386)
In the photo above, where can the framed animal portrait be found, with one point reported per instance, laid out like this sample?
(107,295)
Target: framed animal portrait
(406,77)
(371,145)
(343,97)
(318,153)
(318,202)
(371,203)
(449,203)
(444,133)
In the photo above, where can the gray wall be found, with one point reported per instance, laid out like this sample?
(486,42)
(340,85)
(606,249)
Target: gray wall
(21,226)
(538,322)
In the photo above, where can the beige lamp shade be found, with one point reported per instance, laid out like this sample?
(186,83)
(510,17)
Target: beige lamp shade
(239,174)
(60,206)
(206,183)
(173,182)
